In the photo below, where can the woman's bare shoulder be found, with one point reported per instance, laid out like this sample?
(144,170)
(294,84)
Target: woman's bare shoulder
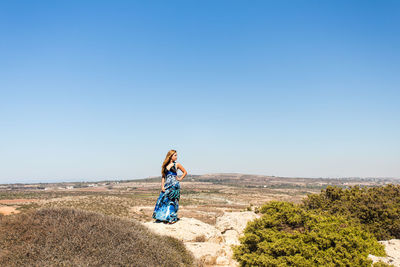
(179,166)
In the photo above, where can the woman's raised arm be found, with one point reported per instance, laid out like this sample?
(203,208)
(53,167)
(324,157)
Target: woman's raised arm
(180,167)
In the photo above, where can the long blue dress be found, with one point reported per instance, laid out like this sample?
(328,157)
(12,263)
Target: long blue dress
(167,205)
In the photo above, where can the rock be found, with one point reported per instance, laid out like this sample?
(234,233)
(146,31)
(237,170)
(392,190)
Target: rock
(231,237)
(235,221)
(187,230)
(211,254)
(392,248)
(219,239)
(202,249)
(222,261)
(232,224)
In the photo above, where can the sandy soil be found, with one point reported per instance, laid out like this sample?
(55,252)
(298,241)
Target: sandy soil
(8,210)
(17,201)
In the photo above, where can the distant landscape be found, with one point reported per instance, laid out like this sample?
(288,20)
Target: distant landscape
(211,193)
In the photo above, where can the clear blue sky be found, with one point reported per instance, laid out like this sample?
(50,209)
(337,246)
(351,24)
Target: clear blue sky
(103,89)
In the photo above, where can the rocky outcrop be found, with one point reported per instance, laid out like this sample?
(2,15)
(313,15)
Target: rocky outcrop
(187,230)
(210,244)
(232,224)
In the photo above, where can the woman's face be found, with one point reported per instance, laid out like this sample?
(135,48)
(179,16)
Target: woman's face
(174,156)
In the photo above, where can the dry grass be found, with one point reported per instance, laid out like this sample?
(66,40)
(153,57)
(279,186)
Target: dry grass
(200,238)
(70,237)
(107,205)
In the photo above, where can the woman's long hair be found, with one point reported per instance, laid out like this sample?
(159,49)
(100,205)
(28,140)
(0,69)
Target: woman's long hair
(166,161)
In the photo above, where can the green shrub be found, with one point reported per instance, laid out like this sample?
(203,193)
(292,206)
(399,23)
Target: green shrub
(377,208)
(288,235)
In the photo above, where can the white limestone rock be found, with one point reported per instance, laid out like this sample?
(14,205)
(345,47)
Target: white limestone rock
(392,248)
(187,230)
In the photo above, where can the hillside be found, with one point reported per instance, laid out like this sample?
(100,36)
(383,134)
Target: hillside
(69,237)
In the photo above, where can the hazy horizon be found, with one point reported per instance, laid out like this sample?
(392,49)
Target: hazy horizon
(49,180)
(280,88)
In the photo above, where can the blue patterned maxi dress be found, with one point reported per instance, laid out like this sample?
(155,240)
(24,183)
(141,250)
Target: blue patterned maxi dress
(167,204)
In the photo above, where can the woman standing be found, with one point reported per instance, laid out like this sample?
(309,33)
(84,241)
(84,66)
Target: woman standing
(167,204)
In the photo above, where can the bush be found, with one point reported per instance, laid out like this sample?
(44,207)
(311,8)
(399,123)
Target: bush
(377,208)
(288,235)
(68,237)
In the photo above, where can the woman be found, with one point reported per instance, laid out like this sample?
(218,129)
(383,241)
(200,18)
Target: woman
(167,205)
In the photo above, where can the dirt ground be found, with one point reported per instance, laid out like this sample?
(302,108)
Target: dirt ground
(204,201)
(8,210)
(16,201)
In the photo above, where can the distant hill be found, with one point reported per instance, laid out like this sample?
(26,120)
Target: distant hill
(232,179)
(251,180)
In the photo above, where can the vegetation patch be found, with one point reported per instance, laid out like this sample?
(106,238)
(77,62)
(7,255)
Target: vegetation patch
(70,237)
(376,208)
(289,235)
